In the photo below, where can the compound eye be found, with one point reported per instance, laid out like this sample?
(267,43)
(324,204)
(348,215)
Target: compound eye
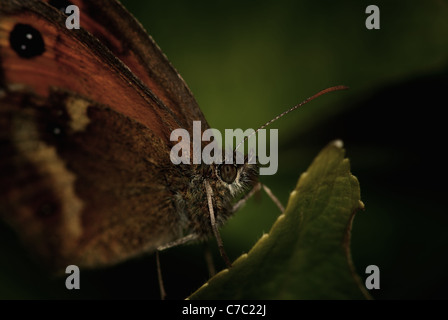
(227,173)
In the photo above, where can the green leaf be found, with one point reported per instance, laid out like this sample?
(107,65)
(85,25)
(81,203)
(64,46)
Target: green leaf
(306,255)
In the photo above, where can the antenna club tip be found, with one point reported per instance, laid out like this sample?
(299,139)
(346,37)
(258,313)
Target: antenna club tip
(341,87)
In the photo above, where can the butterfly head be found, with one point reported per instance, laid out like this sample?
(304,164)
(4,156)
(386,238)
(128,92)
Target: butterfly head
(232,178)
(227,181)
(236,178)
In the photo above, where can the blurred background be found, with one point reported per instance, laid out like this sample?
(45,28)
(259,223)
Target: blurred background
(248,61)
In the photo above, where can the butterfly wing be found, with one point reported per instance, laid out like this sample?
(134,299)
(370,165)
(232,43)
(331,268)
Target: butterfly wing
(84,143)
(126,38)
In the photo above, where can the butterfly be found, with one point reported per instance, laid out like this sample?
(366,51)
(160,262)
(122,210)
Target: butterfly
(85,122)
(86,116)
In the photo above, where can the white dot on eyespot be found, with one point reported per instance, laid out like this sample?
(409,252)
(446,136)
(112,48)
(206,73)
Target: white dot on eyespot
(56,131)
(29,36)
(23,47)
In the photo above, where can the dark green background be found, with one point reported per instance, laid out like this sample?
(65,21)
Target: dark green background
(247,61)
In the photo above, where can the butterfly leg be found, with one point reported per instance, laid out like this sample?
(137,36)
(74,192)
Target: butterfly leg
(178,242)
(237,206)
(209,260)
(255,189)
(273,198)
(175,243)
(159,277)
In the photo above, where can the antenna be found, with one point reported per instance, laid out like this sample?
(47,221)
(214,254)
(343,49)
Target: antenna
(322,92)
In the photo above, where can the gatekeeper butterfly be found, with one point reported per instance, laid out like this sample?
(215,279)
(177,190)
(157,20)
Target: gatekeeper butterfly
(85,121)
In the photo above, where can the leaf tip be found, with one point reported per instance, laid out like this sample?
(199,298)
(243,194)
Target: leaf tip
(338,143)
(240,258)
(262,239)
(265,235)
(361,205)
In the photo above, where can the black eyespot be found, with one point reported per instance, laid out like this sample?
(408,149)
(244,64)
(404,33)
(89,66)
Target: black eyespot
(61,5)
(228,172)
(26,41)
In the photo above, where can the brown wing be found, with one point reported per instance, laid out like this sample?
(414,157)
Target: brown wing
(117,29)
(84,187)
(84,144)
(76,61)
